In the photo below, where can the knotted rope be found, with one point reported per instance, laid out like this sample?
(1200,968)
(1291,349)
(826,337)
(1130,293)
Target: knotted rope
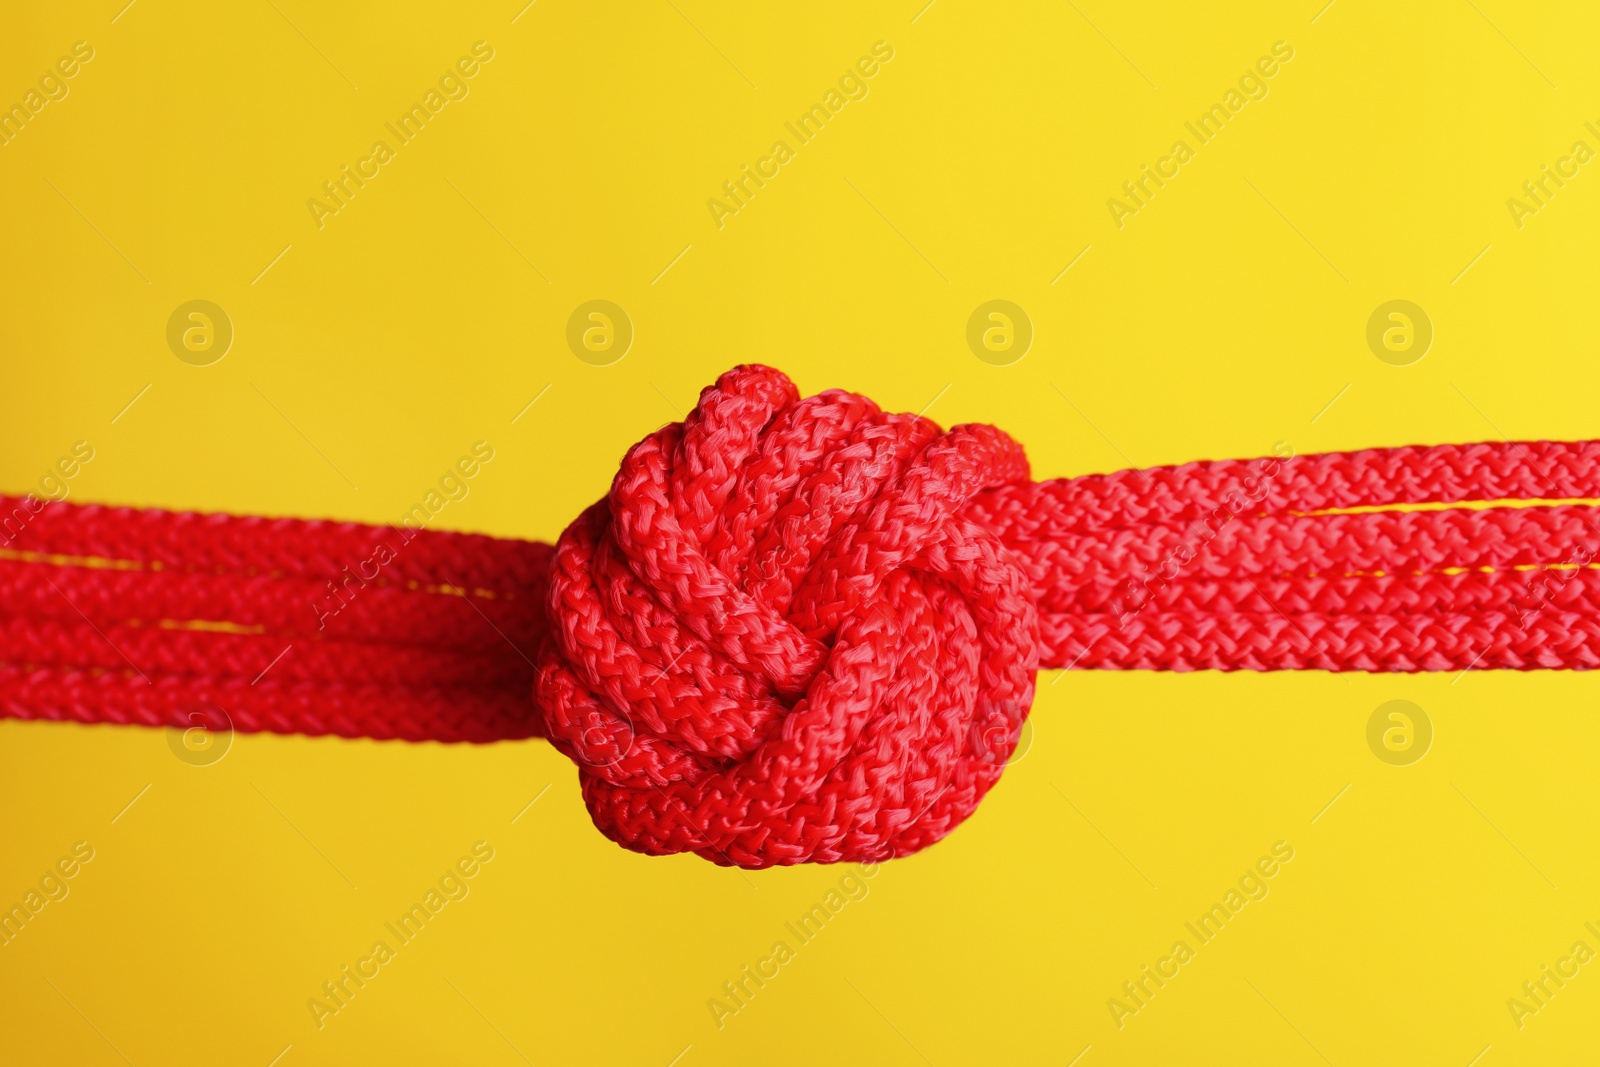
(802,629)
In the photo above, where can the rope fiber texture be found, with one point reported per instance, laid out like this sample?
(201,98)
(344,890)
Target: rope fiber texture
(802,630)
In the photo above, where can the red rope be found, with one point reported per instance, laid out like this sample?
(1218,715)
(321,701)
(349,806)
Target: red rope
(801,629)
(149,617)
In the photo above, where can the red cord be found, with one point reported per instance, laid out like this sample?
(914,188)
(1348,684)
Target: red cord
(801,630)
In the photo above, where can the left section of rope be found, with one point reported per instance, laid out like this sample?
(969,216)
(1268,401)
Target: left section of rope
(148,617)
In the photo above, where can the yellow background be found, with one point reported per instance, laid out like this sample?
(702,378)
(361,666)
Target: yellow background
(1223,317)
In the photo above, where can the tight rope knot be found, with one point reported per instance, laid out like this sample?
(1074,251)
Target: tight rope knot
(780,639)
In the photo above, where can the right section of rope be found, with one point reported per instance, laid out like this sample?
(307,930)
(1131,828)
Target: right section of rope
(1400,559)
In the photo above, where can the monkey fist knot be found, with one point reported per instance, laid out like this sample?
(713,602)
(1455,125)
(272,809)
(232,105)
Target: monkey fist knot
(779,640)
